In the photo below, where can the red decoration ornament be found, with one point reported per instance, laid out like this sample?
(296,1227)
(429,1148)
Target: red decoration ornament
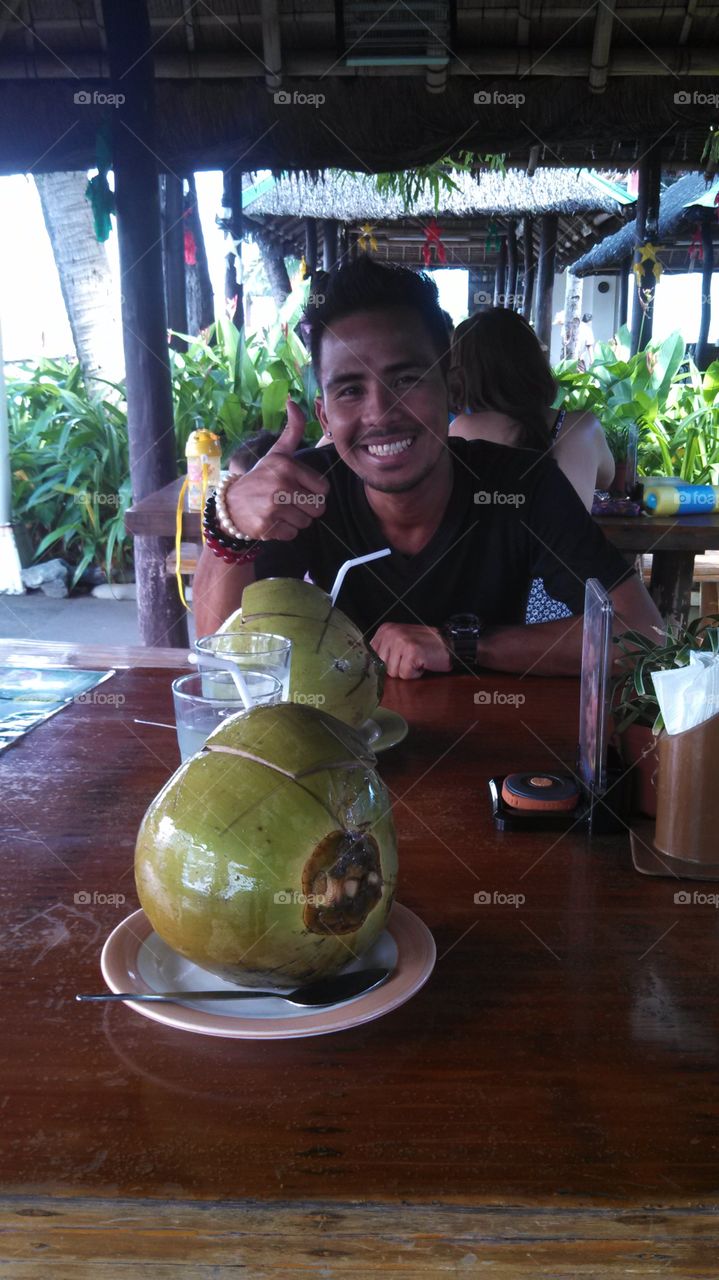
(696,249)
(190,247)
(433,240)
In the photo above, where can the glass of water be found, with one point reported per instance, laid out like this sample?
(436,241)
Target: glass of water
(197,714)
(250,650)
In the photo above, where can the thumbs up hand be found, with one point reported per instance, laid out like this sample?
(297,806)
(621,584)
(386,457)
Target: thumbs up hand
(279,496)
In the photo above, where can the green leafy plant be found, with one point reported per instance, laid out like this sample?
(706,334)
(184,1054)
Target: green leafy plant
(70,468)
(411,185)
(634,700)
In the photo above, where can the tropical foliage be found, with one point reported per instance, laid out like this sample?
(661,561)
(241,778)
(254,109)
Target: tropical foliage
(675,407)
(634,700)
(70,456)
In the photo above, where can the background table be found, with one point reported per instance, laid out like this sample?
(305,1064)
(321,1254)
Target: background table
(546,1105)
(673,542)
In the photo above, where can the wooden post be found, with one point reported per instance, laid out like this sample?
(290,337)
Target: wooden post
(330,229)
(311,245)
(500,275)
(624,270)
(200,299)
(173,255)
(702,354)
(149,392)
(545,277)
(512,267)
(528,245)
(232,200)
(646,231)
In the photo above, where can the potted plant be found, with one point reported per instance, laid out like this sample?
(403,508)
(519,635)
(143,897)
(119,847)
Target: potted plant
(637,718)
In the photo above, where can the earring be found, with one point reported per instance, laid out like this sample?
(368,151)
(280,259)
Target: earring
(328,434)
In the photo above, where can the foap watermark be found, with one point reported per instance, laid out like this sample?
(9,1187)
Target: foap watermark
(285,498)
(99,699)
(496,698)
(292,897)
(495,98)
(86,499)
(483,498)
(512,301)
(498,899)
(315,299)
(83,898)
(96,98)
(695,98)
(683,898)
(309,699)
(296,99)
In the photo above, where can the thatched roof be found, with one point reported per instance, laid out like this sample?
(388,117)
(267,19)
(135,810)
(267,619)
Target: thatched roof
(353,197)
(678,216)
(400,84)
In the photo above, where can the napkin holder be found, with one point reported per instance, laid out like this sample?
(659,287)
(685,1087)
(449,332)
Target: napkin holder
(685,840)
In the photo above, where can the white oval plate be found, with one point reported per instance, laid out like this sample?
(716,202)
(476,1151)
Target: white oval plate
(135,958)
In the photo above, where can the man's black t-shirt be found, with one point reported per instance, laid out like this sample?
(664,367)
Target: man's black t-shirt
(512,516)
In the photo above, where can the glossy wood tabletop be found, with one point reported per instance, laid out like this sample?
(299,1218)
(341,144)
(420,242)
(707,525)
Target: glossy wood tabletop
(563,1055)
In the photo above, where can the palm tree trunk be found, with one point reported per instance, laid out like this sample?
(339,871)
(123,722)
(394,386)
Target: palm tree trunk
(90,293)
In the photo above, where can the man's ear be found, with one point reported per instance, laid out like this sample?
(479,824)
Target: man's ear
(320,414)
(456,390)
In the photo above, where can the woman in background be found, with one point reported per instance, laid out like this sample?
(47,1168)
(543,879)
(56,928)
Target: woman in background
(502,389)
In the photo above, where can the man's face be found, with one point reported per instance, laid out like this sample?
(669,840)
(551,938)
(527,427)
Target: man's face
(384,397)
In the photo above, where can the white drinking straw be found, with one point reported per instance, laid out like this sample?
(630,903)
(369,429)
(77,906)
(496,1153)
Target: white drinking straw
(210,660)
(350,564)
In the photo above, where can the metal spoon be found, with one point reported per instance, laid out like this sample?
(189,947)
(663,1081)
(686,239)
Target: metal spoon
(326,991)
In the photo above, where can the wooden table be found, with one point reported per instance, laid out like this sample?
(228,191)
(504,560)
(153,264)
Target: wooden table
(672,540)
(546,1106)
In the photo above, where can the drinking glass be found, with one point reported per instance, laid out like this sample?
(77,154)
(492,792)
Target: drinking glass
(196,714)
(253,650)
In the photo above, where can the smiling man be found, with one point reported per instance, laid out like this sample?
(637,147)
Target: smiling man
(469,523)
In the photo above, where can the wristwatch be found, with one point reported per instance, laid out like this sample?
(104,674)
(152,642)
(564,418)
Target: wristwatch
(460,634)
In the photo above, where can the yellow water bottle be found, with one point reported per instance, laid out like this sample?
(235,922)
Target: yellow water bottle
(204,454)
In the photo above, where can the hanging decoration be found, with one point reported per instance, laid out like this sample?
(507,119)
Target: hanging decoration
(190,244)
(98,192)
(647,253)
(303,268)
(493,240)
(366,239)
(696,249)
(433,241)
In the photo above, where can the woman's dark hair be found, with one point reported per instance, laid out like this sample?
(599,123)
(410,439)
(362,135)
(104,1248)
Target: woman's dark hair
(368,285)
(505,369)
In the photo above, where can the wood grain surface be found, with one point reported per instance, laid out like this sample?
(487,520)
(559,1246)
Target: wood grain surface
(556,1078)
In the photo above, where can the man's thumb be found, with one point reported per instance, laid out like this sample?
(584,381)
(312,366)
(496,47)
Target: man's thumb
(291,437)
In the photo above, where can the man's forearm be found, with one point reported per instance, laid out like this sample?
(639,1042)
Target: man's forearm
(217,591)
(543,648)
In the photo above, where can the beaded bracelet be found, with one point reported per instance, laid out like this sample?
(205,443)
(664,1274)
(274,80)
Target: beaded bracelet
(223,515)
(231,549)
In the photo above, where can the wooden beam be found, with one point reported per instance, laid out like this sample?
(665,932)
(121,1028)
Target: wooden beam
(646,232)
(601,45)
(702,353)
(173,255)
(512,266)
(311,245)
(271,45)
(330,228)
(545,277)
(149,392)
(624,271)
(528,284)
(189,24)
(690,10)
(12,8)
(500,275)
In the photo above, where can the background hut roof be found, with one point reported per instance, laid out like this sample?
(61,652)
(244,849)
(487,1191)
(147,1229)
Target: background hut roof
(353,197)
(525,80)
(678,216)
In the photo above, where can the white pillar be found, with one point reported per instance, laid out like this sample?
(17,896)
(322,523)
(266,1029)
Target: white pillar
(10,572)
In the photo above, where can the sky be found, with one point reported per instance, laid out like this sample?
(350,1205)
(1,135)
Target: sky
(32,312)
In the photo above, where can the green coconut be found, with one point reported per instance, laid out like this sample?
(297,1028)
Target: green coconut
(270,857)
(332,667)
